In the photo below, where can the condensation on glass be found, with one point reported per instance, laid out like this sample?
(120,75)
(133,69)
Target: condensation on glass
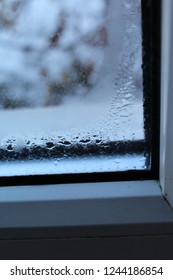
(71,96)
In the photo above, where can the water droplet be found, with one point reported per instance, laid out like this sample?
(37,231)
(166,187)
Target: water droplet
(10,148)
(84,141)
(50,145)
(66,143)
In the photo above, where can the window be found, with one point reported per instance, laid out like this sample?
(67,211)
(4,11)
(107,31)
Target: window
(92,72)
(106,208)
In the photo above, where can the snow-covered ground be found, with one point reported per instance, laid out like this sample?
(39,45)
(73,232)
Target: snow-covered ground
(82,119)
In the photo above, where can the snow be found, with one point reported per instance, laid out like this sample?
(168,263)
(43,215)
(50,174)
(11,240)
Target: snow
(67,120)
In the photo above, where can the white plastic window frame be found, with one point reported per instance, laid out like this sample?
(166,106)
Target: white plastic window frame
(166,137)
(105,204)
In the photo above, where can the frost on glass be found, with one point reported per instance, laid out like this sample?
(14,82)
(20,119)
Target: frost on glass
(70,86)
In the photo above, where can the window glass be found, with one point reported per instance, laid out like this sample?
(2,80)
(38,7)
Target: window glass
(71,95)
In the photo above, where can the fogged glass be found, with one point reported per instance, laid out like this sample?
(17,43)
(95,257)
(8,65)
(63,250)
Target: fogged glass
(70,86)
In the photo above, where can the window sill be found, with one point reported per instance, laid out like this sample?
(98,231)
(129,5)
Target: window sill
(84,210)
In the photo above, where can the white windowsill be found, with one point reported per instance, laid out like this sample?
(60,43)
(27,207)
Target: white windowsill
(80,205)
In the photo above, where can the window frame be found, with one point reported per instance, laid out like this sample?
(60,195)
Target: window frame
(149,147)
(76,210)
(166,136)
